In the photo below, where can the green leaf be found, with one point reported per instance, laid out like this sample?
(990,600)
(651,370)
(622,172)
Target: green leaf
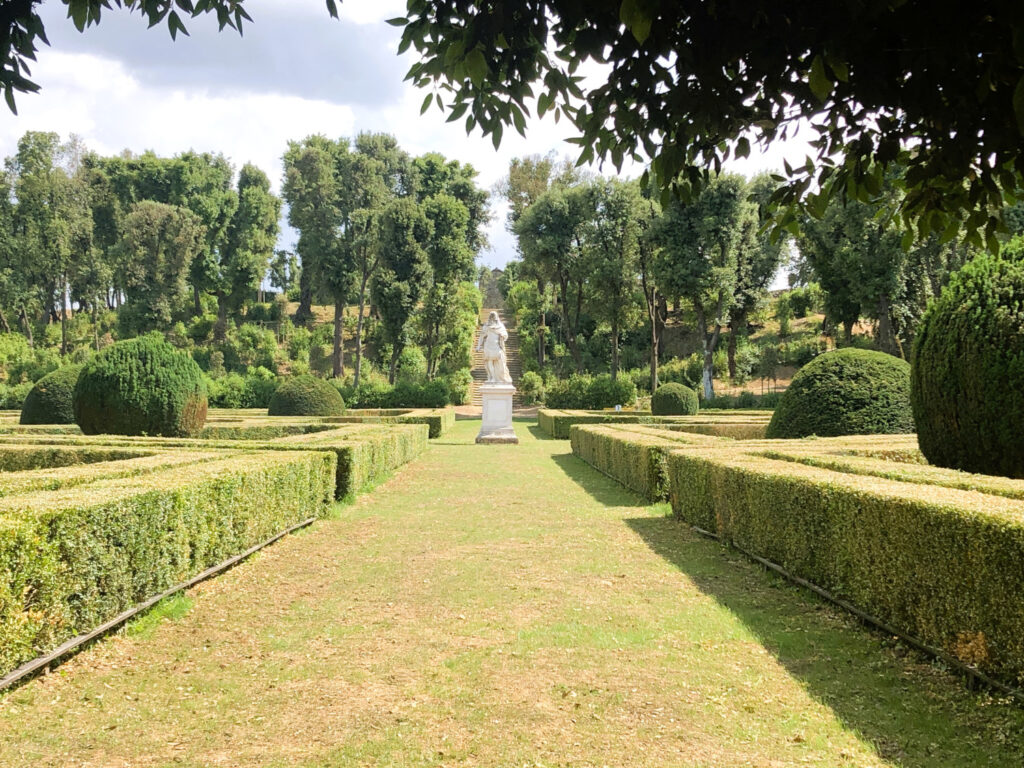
(637,19)
(742,147)
(821,84)
(1018,103)
(496,136)
(174,25)
(332,8)
(458,111)
(9,98)
(398,21)
(78,10)
(476,67)
(426,103)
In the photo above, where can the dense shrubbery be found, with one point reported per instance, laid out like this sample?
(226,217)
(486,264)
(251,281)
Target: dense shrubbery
(12,397)
(142,386)
(51,400)
(968,378)
(745,400)
(674,400)
(846,392)
(531,388)
(233,390)
(306,396)
(584,391)
(431,394)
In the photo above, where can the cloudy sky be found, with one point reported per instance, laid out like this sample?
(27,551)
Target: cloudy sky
(293,73)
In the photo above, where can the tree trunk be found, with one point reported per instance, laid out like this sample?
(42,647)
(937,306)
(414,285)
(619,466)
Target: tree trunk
(393,372)
(96,325)
(63,329)
(220,328)
(3,323)
(305,310)
(540,325)
(198,303)
(568,329)
(28,327)
(848,330)
(708,342)
(359,327)
(615,351)
(737,325)
(338,358)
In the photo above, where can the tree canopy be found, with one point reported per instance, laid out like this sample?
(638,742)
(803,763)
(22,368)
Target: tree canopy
(937,86)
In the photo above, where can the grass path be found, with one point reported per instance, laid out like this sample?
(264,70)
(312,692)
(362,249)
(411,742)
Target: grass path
(501,606)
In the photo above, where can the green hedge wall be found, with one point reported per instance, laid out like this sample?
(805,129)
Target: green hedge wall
(71,559)
(748,425)
(634,459)
(440,420)
(941,564)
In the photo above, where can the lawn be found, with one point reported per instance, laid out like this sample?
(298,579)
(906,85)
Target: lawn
(501,606)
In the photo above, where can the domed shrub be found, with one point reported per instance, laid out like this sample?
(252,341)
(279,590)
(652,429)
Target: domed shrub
(846,392)
(674,399)
(141,386)
(306,396)
(51,400)
(967,386)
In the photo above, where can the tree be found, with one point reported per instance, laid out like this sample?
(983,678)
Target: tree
(160,241)
(405,271)
(647,264)
(451,262)
(21,26)
(529,178)
(249,244)
(698,258)
(311,190)
(758,258)
(611,256)
(551,235)
(690,84)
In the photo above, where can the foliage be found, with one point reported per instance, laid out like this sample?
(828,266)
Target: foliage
(935,565)
(846,392)
(692,85)
(674,400)
(51,400)
(584,391)
(234,390)
(12,397)
(968,379)
(98,551)
(141,386)
(531,387)
(306,396)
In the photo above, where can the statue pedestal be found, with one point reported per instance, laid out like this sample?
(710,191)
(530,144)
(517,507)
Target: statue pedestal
(497,423)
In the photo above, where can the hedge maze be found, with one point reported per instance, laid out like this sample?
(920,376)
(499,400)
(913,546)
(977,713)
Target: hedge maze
(736,424)
(936,554)
(93,525)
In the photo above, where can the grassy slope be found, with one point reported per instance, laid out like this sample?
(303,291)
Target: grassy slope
(498,606)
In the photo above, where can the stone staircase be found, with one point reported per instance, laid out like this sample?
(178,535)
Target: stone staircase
(479,372)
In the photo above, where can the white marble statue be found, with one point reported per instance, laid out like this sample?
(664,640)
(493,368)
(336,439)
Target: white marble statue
(492,341)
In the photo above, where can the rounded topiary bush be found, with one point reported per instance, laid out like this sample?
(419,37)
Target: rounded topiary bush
(51,400)
(306,396)
(142,386)
(967,385)
(674,399)
(846,392)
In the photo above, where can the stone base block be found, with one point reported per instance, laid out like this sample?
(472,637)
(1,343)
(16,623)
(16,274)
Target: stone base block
(497,414)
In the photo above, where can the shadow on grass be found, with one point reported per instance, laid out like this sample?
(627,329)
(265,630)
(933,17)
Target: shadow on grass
(602,489)
(915,714)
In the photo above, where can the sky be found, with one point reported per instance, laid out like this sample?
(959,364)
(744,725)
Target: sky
(294,72)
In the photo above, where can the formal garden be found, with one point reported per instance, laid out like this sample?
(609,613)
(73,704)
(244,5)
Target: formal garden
(759,493)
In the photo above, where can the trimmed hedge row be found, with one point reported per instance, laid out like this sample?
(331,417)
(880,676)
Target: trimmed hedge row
(21,458)
(73,558)
(635,457)
(366,454)
(941,564)
(440,420)
(747,425)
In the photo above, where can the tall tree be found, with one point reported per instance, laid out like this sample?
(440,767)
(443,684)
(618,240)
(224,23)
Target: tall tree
(698,259)
(160,241)
(528,178)
(451,262)
(249,244)
(611,256)
(758,258)
(405,272)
